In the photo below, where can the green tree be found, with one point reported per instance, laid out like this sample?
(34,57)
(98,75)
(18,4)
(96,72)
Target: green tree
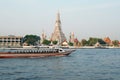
(70,44)
(31,39)
(116,43)
(46,42)
(93,41)
(101,41)
(84,42)
(54,42)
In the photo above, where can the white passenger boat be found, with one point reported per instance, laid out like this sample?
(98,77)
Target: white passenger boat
(33,52)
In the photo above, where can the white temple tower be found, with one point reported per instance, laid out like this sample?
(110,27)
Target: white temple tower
(58,35)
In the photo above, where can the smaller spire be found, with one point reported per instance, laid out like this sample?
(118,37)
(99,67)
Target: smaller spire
(43,35)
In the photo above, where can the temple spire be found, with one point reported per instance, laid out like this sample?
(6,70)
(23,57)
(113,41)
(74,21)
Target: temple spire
(58,35)
(58,17)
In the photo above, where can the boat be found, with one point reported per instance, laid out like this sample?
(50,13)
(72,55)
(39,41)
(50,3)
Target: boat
(33,52)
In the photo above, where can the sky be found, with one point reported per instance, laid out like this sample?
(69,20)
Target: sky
(86,18)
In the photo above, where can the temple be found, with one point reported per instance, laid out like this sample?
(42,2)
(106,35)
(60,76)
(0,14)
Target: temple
(58,35)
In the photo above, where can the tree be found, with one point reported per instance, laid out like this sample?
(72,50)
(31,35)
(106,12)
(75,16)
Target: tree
(93,41)
(31,39)
(101,41)
(46,42)
(84,42)
(54,42)
(70,44)
(115,43)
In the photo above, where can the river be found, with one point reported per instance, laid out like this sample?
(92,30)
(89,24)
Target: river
(83,64)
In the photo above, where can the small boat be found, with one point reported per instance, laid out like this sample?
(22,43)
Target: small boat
(33,52)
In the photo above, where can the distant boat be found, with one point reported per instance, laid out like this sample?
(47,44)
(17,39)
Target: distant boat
(33,52)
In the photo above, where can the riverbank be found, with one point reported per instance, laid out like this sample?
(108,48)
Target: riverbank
(93,47)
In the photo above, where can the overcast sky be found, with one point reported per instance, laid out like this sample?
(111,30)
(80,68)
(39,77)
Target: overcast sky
(86,18)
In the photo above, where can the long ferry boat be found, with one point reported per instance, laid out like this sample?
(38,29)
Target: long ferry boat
(33,52)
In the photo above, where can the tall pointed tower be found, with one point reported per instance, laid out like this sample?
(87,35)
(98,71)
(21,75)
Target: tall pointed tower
(58,35)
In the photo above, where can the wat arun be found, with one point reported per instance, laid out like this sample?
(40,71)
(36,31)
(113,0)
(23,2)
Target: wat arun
(58,35)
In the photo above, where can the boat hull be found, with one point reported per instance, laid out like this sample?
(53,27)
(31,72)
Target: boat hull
(29,55)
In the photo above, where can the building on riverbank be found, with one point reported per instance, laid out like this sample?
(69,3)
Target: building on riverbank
(11,41)
(108,41)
